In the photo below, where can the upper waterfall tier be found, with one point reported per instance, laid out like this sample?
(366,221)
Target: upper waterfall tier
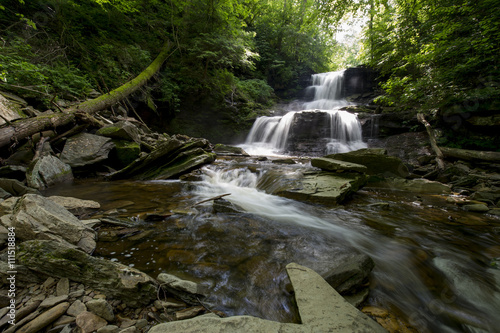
(319,128)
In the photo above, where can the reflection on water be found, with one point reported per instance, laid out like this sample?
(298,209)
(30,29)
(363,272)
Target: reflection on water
(438,273)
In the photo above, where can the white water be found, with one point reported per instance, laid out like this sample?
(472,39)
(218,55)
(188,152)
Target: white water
(269,135)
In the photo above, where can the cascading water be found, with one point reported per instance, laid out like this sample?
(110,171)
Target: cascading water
(339,132)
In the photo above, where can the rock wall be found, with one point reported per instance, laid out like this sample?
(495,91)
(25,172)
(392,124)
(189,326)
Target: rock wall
(359,80)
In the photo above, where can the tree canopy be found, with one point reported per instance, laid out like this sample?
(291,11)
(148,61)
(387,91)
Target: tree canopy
(431,54)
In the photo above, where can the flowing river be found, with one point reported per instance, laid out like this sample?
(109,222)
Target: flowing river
(436,266)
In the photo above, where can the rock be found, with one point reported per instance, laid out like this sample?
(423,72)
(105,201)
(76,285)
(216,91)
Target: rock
(75,205)
(494,211)
(288,161)
(64,320)
(376,160)
(36,217)
(224,150)
(86,149)
(113,279)
(224,206)
(44,319)
(329,164)
(122,130)
(76,308)
(89,322)
(126,152)
(350,274)
(490,121)
(170,158)
(62,287)
(188,291)
(13,172)
(320,307)
(324,187)
(421,186)
(48,171)
(53,300)
(189,312)
(15,187)
(109,329)
(129,330)
(478,208)
(101,308)
(9,111)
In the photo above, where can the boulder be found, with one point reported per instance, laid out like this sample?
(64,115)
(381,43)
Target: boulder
(36,217)
(122,130)
(126,152)
(13,172)
(321,309)
(47,171)
(86,149)
(351,273)
(101,308)
(171,158)
(111,278)
(225,150)
(376,160)
(15,187)
(420,185)
(188,291)
(330,164)
(89,322)
(324,187)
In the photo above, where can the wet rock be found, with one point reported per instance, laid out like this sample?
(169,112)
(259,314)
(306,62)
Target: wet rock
(44,319)
(48,171)
(413,185)
(188,291)
(478,208)
(101,308)
(113,279)
(350,274)
(324,187)
(329,164)
(321,309)
(122,130)
(224,206)
(288,161)
(89,322)
(75,205)
(224,150)
(86,149)
(36,217)
(376,160)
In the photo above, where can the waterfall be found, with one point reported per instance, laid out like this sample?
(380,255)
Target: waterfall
(341,132)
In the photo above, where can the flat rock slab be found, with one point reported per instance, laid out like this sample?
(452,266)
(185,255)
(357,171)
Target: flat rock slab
(330,164)
(421,186)
(325,187)
(321,309)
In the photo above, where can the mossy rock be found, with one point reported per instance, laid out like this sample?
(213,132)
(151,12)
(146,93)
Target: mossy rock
(126,152)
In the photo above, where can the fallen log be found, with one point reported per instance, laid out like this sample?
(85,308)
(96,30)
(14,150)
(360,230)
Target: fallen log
(471,155)
(23,128)
(432,139)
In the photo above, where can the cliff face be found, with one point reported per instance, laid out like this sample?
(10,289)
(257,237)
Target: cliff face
(359,80)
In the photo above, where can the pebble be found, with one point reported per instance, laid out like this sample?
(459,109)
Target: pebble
(76,308)
(62,287)
(101,308)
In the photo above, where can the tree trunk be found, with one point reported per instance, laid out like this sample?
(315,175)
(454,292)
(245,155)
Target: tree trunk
(23,128)
(471,155)
(432,139)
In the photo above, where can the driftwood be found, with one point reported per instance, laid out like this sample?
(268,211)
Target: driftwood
(211,199)
(432,139)
(18,130)
(471,155)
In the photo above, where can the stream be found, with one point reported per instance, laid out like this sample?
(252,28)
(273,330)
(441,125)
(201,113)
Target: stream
(436,267)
